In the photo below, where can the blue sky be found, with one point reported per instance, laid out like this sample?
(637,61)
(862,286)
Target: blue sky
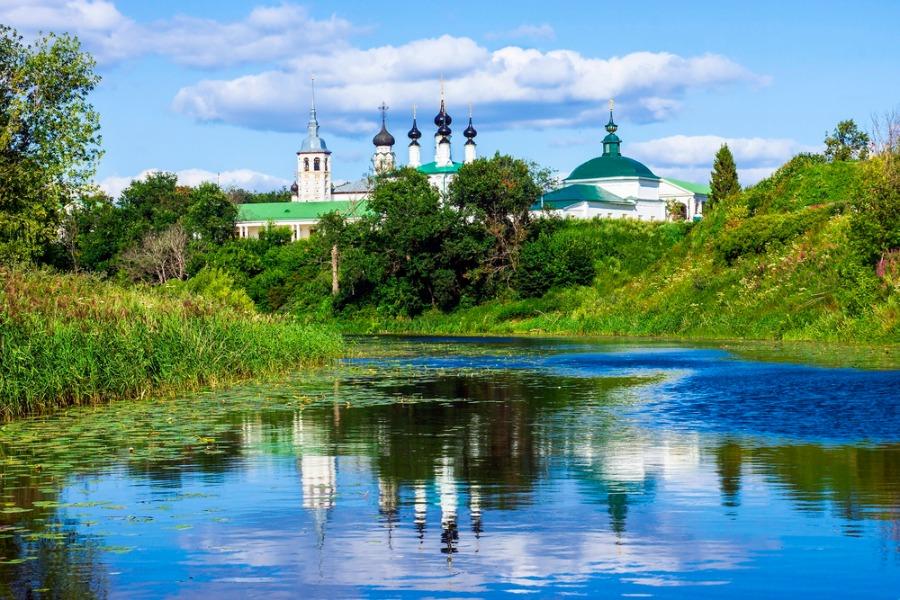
(221,89)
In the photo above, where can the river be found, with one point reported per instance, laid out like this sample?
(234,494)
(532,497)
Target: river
(473,468)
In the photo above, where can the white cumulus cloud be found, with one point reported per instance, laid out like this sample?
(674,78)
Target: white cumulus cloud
(691,157)
(685,150)
(267,33)
(512,86)
(241,178)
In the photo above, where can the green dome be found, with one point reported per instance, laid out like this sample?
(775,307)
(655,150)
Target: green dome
(611,166)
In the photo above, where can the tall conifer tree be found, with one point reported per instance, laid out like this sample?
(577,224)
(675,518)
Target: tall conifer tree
(724,179)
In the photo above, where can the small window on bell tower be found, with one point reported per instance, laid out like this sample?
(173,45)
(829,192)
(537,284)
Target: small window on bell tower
(306,164)
(317,164)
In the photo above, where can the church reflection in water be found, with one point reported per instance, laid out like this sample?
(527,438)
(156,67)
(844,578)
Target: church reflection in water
(461,447)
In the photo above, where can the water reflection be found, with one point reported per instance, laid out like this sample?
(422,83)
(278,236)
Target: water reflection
(473,470)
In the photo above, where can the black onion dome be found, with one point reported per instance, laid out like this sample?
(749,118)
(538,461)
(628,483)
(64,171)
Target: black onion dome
(414,133)
(383,137)
(470,131)
(442,118)
(443,130)
(295,188)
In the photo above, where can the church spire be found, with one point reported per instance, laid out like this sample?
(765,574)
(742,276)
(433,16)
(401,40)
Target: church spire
(313,143)
(442,152)
(383,137)
(470,134)
(383,160)
(415,152)
(611,143)
(442,119)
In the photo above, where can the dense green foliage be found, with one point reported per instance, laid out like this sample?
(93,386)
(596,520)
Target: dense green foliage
(724,180)
(48,138)
(496,194)
(73,339)
(414,250)
(410,252)
(279,276)
(109,237)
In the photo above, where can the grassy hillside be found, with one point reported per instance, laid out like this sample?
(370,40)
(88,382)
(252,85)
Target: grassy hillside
(73,339)
(793,257)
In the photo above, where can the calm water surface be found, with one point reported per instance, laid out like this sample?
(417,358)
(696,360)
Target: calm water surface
(471,468)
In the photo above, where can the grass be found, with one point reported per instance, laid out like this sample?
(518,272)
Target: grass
(774,263)
(74,339)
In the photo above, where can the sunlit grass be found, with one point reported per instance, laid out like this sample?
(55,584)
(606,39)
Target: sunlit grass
(71,339)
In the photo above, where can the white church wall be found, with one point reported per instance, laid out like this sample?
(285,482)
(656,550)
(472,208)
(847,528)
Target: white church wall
(642,210)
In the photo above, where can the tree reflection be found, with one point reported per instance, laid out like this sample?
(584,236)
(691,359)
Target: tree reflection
(40,554)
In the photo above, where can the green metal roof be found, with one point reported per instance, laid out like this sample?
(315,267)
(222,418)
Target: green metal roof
(583,191)
(296,211)
(432,168)
(607,166)
(697,188)
(579,192)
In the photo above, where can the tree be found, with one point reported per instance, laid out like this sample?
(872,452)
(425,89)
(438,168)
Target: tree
(410,252)
(724,178)
(847,142)
(153,203)
(49,138)
(242,196)
(497,194)
(211,214)
(85,232)
(160,256)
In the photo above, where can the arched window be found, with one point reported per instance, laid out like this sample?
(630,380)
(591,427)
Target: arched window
(326,164)
(316,164)
(306,164)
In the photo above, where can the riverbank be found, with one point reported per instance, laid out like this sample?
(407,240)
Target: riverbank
(75,339)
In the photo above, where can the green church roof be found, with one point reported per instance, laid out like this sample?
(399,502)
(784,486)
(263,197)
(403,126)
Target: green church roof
(296,211)
(432,168)
(697,188)
(607,166)
(579,192)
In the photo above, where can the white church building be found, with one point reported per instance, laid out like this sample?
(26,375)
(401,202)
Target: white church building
(612,186)
(313,193)
(609,186)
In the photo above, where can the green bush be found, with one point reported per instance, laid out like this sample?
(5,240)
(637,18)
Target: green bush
(549,261)
(757,234)
(218,286)
(875,224)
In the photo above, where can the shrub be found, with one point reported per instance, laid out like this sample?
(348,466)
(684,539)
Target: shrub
(757,234)
(216,285)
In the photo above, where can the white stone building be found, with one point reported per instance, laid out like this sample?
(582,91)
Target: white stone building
(608,186)
(613,186)
(314,194)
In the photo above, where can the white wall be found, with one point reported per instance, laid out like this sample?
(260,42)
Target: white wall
(642,211)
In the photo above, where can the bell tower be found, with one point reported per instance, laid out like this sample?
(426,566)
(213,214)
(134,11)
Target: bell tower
(313,162)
